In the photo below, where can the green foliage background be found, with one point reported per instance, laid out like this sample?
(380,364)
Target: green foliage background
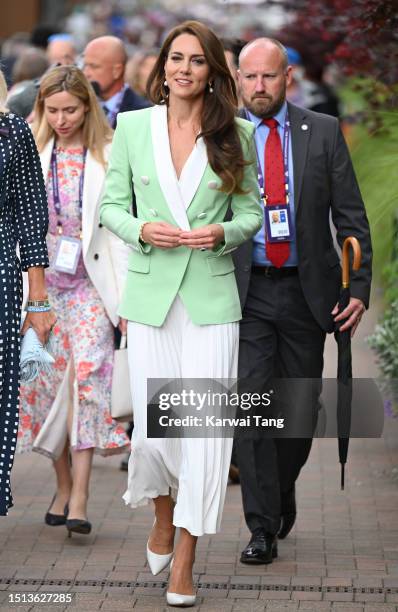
(374,150)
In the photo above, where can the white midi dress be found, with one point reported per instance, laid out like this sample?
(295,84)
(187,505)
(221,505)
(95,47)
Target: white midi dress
(193,470)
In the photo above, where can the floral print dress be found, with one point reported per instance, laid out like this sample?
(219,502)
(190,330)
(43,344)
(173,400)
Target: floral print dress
(83,333)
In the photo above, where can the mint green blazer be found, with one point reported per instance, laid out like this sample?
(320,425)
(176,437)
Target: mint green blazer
(204,280)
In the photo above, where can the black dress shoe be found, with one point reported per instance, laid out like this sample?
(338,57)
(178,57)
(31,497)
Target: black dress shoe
(288,514)
(56,519)
(261,549)
(78,526)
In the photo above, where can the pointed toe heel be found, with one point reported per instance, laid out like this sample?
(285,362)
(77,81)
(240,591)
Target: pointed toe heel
(78,526)
(181,601)
(156,562)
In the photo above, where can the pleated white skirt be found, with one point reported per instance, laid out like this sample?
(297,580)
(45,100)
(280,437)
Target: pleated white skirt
(194,470)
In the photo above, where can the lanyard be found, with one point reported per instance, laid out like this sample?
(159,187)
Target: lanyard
(286,140)
(55,184)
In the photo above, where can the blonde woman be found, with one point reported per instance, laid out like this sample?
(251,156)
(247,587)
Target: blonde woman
(23,222)
(69,410)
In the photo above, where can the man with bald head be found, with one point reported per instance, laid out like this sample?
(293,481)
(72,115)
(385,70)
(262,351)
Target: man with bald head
(289,279)
(104,63)
(60,50)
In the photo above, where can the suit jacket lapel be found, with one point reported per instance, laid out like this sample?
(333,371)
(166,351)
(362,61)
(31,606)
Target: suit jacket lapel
(164,166)
(300,126)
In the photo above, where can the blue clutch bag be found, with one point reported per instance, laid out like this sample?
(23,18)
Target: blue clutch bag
(34,356)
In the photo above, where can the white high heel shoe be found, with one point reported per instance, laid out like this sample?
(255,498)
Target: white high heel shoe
(156,562)
(183,601)
(177,599)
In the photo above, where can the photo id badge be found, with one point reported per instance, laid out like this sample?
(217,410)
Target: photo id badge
(67,254)
(277,223)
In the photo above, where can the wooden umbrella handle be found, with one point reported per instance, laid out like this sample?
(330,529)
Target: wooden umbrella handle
(356,248)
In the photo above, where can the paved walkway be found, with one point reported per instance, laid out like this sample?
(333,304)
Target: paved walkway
(341,555)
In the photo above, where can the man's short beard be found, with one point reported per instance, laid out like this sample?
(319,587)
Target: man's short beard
(271,111)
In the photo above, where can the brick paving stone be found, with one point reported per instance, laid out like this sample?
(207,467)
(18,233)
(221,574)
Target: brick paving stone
(281,606)
(335,596)
(243,594)
(315,606)
(249,606)
(380,608)
(275,595)
(306,596)
(212,593)
(369,597)
(347,607)
(221,605)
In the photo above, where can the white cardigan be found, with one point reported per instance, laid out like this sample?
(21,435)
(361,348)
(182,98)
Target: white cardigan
(104,255)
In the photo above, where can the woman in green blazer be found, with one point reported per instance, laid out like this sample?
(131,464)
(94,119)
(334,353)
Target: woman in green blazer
(188,159)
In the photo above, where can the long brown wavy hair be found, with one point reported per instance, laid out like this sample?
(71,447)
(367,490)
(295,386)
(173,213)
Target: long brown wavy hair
(96,130)
(218,127)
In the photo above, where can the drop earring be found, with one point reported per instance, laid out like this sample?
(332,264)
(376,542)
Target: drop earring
(164,92)
(211,88)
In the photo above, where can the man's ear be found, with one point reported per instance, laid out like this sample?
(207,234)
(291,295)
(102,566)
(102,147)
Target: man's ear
(289,75)
(118,71)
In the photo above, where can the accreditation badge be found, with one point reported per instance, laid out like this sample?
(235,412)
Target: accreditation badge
(67,254)
(277,223)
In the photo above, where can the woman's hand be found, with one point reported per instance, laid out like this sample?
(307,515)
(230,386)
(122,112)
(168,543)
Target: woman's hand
(161,235)
(42,323)
(207,237)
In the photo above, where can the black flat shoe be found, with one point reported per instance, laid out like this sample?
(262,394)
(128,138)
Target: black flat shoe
(56,519)
(78,526)
(262,549)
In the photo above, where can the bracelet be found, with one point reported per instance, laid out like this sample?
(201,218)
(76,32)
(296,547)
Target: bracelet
(141,230)
(38,302)
(38,308)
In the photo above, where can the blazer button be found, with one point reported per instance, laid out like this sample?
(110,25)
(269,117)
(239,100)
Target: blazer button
(96,256)
(145,180)
(212,184)
(202,215)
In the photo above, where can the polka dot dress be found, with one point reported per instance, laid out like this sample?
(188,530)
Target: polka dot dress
(23,222)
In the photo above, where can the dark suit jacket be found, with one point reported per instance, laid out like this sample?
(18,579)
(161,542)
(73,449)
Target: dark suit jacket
(131,101)
(324,182)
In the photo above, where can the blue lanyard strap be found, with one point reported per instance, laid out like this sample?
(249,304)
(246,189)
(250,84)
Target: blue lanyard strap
(286,140)
(55,184)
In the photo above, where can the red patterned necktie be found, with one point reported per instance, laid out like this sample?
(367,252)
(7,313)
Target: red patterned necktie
(277,252)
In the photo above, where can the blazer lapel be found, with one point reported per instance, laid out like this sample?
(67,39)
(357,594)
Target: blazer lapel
(94,174)
(300,126)
(164,166)
(192,172)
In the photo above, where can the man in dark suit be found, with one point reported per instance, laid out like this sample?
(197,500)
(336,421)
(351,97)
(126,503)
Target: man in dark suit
(104,63)
(289,288)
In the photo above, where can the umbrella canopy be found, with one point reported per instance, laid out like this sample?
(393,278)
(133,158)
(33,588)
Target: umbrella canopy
(344,360)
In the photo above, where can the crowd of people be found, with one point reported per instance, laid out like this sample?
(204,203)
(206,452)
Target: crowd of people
(189,209)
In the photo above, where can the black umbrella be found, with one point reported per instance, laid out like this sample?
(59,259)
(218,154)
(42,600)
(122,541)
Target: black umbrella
(344,363)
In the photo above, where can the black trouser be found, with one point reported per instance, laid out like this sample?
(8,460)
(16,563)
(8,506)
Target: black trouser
(279,337)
